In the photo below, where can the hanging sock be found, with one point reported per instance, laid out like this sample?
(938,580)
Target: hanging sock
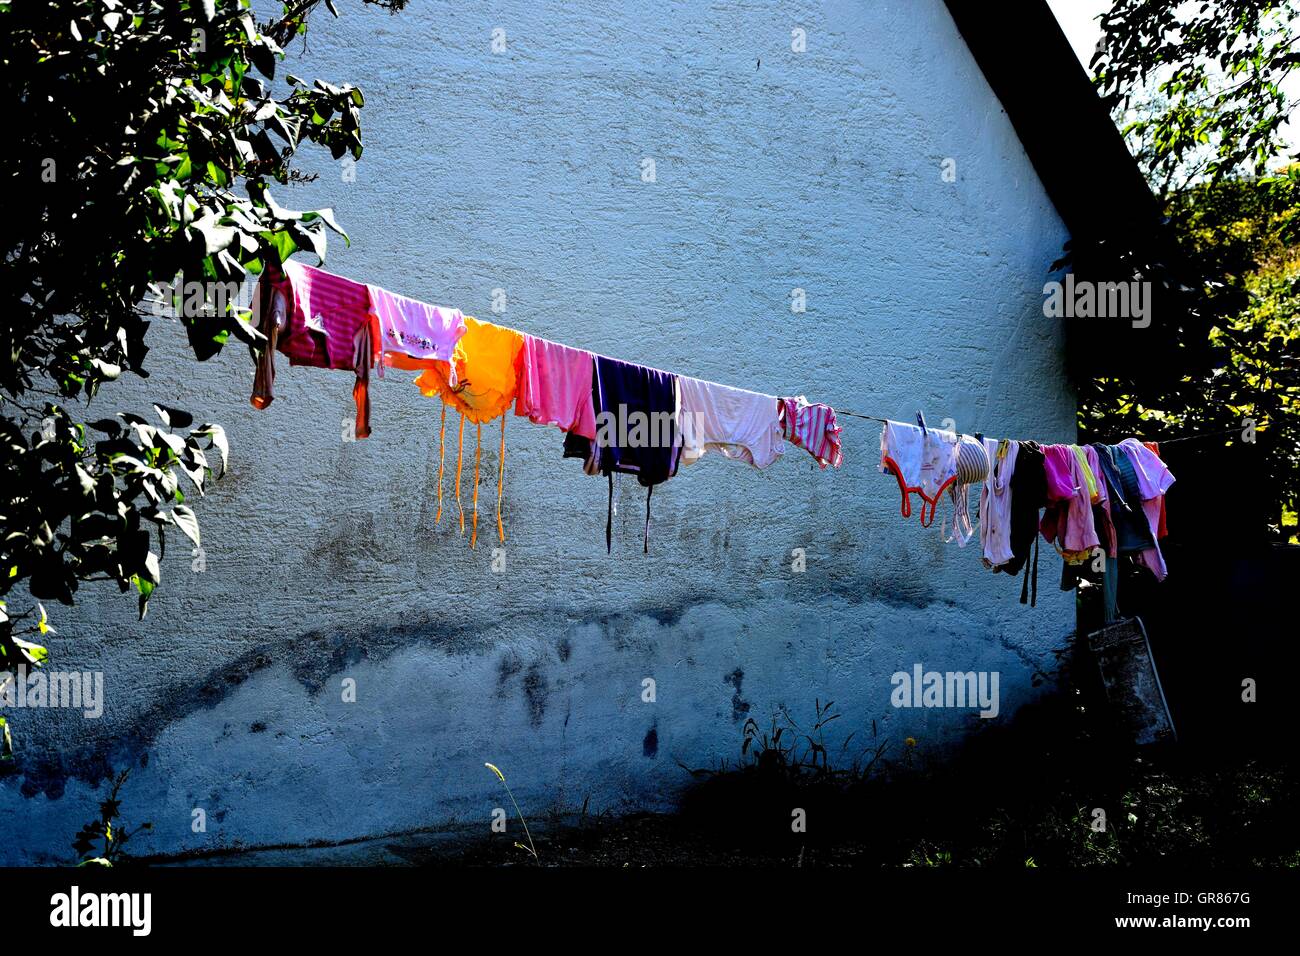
(460,457)
(1031,572)
(442,441)
(501,479)
(645,546)
(478,454)
(609,514)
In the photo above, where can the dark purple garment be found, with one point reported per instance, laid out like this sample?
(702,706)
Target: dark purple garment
(637,429)
(626,392)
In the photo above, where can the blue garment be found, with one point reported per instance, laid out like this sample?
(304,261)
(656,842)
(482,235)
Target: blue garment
(1132,530)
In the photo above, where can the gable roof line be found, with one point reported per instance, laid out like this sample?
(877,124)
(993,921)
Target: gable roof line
(1066,130)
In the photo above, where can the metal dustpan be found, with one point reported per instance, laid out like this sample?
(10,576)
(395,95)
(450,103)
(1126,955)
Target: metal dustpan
(1128,673)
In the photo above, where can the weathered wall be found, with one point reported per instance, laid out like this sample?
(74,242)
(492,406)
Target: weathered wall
(522,171)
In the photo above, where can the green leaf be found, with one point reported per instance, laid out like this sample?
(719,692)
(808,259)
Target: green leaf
(173,417)
(36,655)
(187,521)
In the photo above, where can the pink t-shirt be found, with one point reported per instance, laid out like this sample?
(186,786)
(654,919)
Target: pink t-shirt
(416,329)
(555,386)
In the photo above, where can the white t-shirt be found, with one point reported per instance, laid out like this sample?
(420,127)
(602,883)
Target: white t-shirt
(732,421)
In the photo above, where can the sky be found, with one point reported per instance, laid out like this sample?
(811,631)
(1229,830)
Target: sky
(1078,20)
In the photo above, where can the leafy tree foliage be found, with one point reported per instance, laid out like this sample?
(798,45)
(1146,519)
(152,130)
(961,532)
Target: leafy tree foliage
(1197,89)
(149,138)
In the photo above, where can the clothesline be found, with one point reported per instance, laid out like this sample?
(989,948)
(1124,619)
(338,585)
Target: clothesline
(1163,441)
(609,408)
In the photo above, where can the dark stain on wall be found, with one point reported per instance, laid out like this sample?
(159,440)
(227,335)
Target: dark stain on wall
(535,693)
(739,706)
(650,746)
(315,657)
(507,667)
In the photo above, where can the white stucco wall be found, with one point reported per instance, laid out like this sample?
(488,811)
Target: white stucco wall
(522,171)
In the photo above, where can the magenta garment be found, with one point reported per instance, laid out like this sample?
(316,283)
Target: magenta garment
(555,387)
(416,329)
(1068,519)
(326,317)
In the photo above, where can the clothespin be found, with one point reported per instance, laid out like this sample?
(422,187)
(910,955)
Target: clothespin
(920,420)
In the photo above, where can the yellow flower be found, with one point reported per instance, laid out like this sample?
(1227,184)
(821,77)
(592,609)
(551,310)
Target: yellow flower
(910,741)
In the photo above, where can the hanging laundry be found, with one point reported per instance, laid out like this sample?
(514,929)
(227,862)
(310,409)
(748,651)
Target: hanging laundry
(972,469)
(269,319)
(555,386)
(329,323)
(1153,479)
(923,460)
(734,422)
(995,502)
(1094,487)
(813,428)
(1028,498)
(414,334)
(1068,521)
(484,367)
(1132,531)
(638,431)
(1163,529)
(1090,463)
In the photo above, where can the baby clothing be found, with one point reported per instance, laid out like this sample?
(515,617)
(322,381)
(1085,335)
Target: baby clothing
(480,382)
(923,461)
(270,319)
(731,421)
(413,334)
(1153,480)
(555,386)
(995,502)
(638,431)
(972,468)
(1132,532)
(1068,521)
(1162,531)
(481,379)
(813,428)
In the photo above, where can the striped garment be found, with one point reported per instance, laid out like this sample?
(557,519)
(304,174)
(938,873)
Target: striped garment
(321,320)
(812,428)
(326,315)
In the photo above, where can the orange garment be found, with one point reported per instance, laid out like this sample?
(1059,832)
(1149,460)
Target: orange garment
(486,365)
(487,372)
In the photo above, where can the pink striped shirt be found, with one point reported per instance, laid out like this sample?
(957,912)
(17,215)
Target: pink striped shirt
(326,315)
(813,428)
